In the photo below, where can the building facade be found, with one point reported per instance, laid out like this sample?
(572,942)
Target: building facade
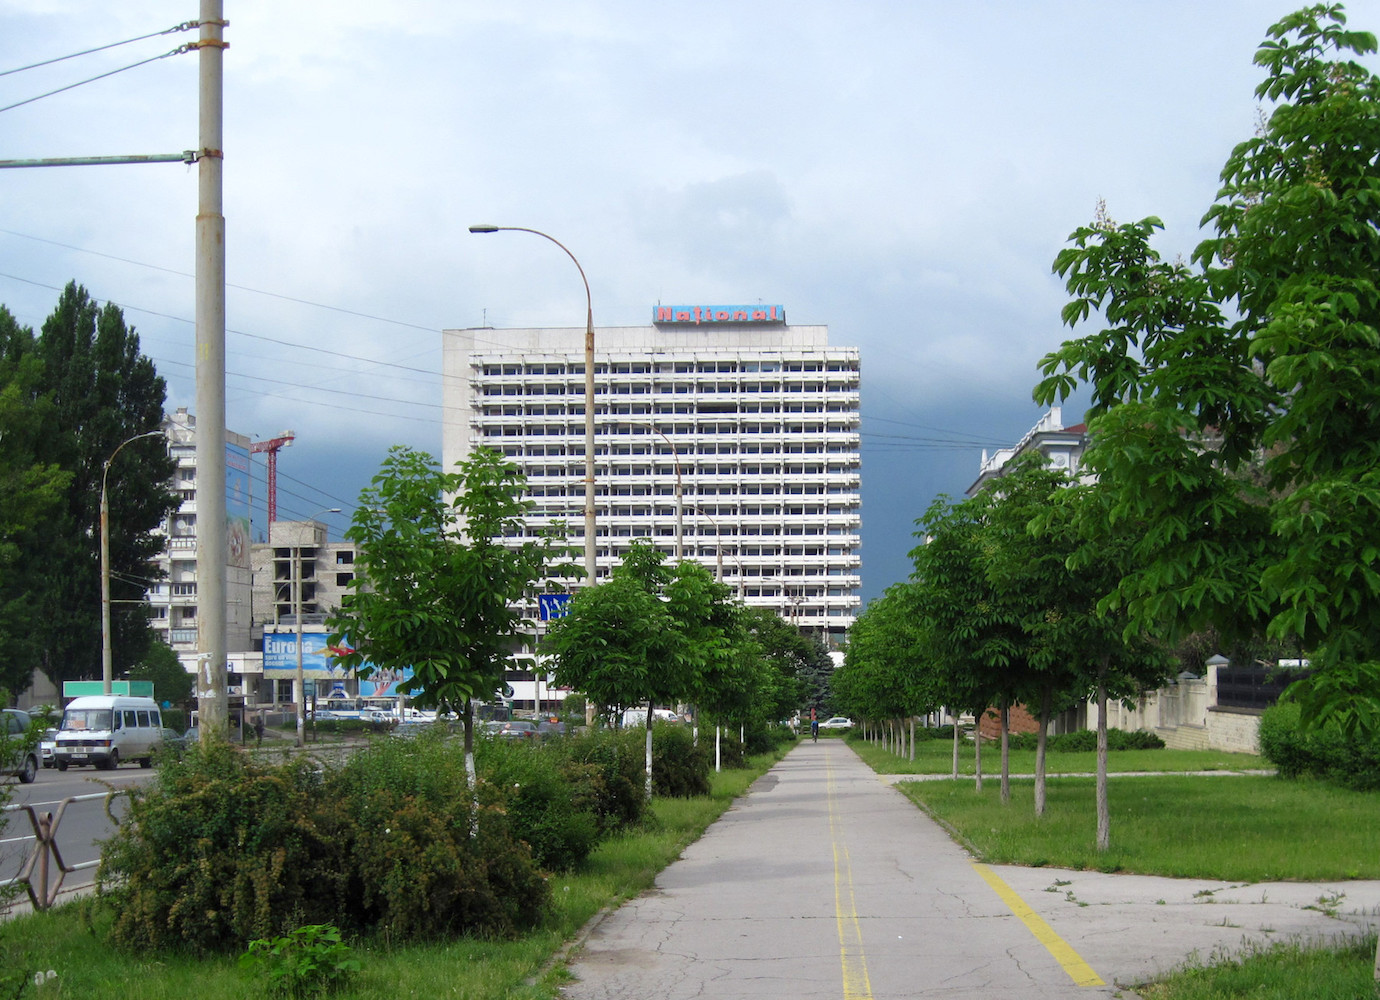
(173,600)
(753,424)
(1062,448)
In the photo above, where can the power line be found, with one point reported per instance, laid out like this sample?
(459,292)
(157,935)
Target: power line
(184,26)
(72,86)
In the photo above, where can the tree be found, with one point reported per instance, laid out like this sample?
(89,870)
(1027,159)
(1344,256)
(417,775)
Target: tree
(646,636)
(172,684)
(100,391)
(31,489)
(439,589)
(1263,350)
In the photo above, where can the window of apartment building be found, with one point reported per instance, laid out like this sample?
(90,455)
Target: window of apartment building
(343,579)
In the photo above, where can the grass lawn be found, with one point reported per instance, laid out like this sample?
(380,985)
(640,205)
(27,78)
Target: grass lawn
(70,940)
(936,757)
(1285,972)
(1241,829)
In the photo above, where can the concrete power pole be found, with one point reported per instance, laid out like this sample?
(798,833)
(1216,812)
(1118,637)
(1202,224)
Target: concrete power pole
(212,533)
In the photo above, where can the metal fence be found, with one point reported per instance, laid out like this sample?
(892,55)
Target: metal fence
(44,870)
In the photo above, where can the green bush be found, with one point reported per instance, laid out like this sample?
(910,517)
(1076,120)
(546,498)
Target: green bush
(1085,741)
(1321,753)
(679,768)
(218,852)
(549,801)
(221,851)
(611,775)
(765,739)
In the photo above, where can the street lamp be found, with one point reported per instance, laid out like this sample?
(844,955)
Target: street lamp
(297,617)
(106,669)
(590,548)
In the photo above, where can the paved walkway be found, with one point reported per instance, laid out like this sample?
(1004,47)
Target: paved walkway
(826,882)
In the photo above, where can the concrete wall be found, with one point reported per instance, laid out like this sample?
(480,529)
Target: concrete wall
(1185,714)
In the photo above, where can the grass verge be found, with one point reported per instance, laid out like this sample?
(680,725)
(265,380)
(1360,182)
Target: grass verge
(1240,829)
(936,757)
(1284,972)
(70,940)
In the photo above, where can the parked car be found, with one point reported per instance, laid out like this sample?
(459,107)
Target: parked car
(518,729)
(45,747)
(837,722)
(491,728)
(20,762)
(548,730)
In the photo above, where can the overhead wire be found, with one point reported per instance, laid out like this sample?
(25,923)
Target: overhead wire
(184,26)
(81,83)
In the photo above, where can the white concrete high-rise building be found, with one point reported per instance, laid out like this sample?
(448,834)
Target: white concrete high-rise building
(758,420)
(173,600)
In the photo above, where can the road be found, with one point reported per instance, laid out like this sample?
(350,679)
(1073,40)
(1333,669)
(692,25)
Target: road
(826,882)
(83,824)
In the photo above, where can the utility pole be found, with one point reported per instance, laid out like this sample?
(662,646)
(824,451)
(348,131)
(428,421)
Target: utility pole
(212,533)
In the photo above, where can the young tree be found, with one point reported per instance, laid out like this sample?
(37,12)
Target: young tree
(439,588)
(646,636)
(1263,350)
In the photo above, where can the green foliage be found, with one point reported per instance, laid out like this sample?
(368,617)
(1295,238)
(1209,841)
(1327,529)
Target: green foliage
(223,850)
(218,852)
(172,684)
(428,598)
(1325,752)
(613,769)
(680,769)
(1236,398)
(549,800)
(310,961)
(1085,740)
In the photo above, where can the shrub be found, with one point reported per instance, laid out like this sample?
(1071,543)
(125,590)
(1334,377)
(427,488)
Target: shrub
(549,800)
(1323,753)
(679,768)
(222,851)
(218,852)
(611,769)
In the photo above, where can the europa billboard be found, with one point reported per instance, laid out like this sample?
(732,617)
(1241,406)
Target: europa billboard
(699,315)
(280,655)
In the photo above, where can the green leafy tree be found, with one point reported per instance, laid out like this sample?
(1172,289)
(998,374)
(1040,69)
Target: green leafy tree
(646,636)
(31,489)
(1263,350)
(172,684)
(439,587)
(100,392)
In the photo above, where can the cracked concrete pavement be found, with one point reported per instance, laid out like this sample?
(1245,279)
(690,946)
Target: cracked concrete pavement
(824,882)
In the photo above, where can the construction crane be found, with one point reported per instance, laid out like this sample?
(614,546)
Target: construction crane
(271,447)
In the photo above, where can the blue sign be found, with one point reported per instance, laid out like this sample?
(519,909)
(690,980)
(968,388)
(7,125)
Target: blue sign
(553,606)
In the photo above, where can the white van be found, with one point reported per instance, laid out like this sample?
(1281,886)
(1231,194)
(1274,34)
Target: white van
(103,730)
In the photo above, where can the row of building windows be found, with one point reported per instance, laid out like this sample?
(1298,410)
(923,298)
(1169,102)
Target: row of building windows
(493,369)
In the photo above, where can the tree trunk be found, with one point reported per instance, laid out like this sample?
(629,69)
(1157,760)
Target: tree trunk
(718,748)
(1046,700)
(649,752)
(977,751)
(955,774)
(471,783)
(912,739)
(1104,815)
(1005,752)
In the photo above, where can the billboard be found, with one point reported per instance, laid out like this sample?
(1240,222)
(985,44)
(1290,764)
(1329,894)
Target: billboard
(237,498)
(699,315)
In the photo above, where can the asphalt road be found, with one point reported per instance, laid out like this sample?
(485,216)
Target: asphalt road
(82,825)
(826,882)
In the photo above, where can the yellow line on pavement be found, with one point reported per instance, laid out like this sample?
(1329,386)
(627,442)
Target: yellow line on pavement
(1079,971)
(856,984)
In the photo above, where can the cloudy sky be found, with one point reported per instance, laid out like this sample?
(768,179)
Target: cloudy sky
(902,171)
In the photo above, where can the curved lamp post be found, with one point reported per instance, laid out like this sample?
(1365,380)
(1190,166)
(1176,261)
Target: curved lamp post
(107,674)
(590,547)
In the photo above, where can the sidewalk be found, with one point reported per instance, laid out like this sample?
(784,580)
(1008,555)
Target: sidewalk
(824,881)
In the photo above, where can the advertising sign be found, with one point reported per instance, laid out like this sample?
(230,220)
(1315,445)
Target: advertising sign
(699,315)
(237,492)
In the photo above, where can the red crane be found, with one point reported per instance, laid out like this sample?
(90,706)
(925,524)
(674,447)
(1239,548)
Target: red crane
(272,446)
